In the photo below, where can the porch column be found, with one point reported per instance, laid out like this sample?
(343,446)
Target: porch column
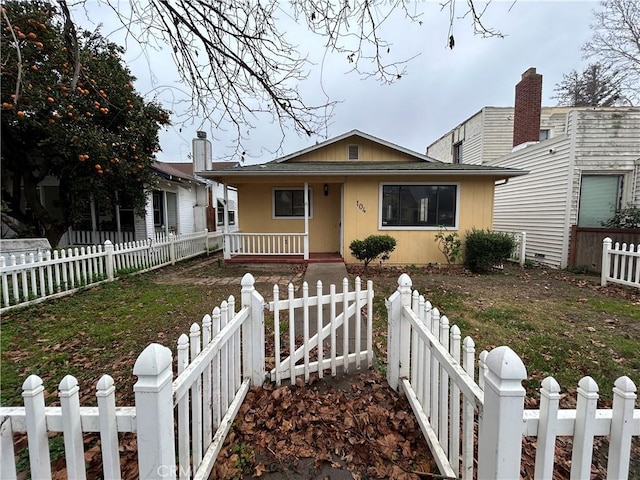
(165,212)
(306,220)
(225,228)
(118,225)
(94,222)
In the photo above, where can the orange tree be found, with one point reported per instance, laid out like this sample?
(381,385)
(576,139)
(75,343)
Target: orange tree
(70,113)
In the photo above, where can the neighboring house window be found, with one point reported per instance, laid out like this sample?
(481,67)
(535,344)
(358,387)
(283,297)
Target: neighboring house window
(544,134)
(354,152)
(289,202)
(158,209)
(457,153)
(600,197)
(231,213)
(419,205)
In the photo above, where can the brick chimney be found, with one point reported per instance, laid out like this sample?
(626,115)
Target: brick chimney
(527,108)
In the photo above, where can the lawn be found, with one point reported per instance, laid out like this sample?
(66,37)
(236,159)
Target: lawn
(561,324)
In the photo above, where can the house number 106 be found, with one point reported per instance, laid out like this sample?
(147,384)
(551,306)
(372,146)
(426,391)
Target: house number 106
(361,207)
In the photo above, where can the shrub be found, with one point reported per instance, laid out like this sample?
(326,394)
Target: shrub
(449,244)
(373,247)
(625,218)
(484,249)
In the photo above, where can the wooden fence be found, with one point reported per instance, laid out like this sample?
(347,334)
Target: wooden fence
(341,324)
(180,423)
(30,279)
(425,361)
(620,264)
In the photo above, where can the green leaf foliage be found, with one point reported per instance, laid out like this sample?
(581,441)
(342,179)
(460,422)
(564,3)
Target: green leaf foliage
(624,218)
(449,244)
(70,114)
(372,247)
(484,249)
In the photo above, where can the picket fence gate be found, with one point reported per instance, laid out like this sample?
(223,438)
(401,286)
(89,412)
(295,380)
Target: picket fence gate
(217,362)
(30,279)
(620,263)
(343,319)
(436,371)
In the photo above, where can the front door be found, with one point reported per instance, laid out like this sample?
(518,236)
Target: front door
(325,226)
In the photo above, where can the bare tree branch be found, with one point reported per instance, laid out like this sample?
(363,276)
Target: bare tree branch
(616,42)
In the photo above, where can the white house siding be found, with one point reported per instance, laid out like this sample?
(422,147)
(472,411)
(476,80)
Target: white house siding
(537,202)
(498,133)
(607,141)
(187,199)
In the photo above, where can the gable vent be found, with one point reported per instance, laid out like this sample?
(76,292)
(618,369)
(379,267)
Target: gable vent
(354,151)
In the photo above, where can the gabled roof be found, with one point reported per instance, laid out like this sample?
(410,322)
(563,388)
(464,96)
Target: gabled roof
(423,165)
(360,134)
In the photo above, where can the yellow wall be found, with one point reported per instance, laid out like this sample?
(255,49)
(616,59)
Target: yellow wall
(418,247)
(361,206)
(255,212)
(338,152)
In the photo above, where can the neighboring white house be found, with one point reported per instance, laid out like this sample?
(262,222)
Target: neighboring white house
(583,164)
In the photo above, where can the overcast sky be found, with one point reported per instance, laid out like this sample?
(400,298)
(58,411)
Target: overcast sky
(442,87)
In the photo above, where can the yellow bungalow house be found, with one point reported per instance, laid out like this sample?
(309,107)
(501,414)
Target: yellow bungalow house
(318,200)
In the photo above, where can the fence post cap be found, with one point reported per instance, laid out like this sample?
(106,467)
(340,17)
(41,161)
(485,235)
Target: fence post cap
(152,361)
(607,240)
(404,280)
(550,385)
(69,382)
(625,386)
(247,281)
(105,383)
(506,364)
(108,242)
(32,383)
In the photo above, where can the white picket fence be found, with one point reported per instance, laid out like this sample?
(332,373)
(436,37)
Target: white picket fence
(340,324)
(30,279)
(518,254)
(620,263)
(436,372)
(217,363)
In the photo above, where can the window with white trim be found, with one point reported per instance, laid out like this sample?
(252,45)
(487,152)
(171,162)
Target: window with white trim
(289,203)
(600,197)
(418,205)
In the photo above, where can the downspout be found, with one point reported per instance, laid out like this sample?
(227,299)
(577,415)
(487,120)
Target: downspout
(306,220)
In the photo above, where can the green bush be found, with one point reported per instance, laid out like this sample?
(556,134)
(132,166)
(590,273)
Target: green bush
(449,244)
(484,249)
(373,247)
(625,218)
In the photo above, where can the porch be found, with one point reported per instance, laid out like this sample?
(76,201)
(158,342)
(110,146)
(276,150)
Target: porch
(313,258)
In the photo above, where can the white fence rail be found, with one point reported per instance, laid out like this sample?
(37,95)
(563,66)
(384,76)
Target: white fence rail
(217,362)
(620,263)
(334,316)
(239,243)
(424,360)
(30,279)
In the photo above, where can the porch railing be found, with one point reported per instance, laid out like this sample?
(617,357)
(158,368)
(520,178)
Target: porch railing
(256,244)
(89,237)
